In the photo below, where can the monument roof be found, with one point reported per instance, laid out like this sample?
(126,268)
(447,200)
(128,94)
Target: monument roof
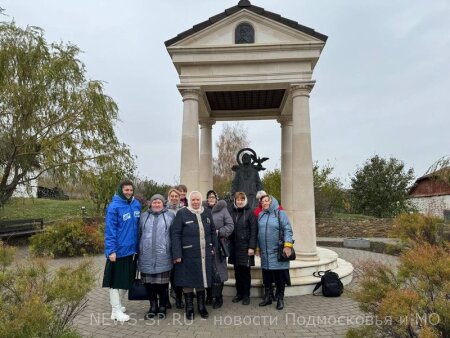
(245,4)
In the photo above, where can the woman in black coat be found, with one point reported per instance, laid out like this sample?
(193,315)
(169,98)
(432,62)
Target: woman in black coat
(193,238)
(243,241)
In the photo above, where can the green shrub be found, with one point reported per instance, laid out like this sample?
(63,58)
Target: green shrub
(417,228)
(329,195)
(37,303)
(272,183)
(380,187)
(68,238)
(411,301)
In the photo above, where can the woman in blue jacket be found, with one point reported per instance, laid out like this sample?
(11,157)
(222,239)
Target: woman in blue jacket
(155,255)
(121,236)
(270,221)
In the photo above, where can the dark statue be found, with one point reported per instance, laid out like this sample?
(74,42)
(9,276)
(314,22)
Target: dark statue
(246,177)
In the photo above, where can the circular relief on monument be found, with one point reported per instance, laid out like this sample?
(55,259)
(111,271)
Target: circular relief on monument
(250,156)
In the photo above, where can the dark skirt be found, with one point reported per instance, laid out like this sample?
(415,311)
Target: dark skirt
(119,274)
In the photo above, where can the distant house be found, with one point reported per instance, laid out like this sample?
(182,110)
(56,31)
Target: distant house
(431,194)
(24,191)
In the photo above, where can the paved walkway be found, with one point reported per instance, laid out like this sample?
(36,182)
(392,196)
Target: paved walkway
(303,316)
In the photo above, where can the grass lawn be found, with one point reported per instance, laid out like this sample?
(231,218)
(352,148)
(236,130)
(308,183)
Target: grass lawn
(48,209)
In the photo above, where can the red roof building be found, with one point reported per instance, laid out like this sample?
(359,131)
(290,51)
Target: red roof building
(431,193)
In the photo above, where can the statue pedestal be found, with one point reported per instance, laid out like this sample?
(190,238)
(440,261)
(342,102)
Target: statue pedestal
(301,272)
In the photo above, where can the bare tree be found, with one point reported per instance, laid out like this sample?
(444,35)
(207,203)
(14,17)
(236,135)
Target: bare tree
(232,138)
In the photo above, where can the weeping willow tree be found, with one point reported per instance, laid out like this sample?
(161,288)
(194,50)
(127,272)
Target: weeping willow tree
(52,119)
(440,169)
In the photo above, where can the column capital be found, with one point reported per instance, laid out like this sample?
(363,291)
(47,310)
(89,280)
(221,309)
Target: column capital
(206,122)
(285,121)
(189,93)
(301,89)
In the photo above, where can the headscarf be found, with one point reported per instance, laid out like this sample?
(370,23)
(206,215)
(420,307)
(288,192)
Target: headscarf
(199,210)
(245,201)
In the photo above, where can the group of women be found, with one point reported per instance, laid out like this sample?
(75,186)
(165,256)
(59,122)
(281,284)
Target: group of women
(188,243)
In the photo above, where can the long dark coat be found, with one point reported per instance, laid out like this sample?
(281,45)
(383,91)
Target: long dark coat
(224,227)
(244,236)
(195,269)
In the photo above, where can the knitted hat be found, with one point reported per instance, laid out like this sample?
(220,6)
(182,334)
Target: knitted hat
(260,194)
(157,197)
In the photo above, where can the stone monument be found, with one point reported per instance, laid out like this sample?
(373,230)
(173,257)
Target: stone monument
(246,177)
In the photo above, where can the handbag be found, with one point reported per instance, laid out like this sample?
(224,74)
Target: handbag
(224,247)
(138,291)
(216,287)
(281,256)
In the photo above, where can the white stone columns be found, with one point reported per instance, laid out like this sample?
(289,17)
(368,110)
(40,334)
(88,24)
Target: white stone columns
(206,160)
(304,221)
(286,164)
(189,171)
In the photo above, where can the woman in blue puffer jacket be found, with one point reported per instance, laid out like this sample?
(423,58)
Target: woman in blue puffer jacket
(269,222)
(155,255)
(121,236)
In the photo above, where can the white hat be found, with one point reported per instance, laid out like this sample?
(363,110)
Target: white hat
(260,194)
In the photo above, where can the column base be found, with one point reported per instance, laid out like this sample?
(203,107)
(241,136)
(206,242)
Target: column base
(301,272)
(308,257)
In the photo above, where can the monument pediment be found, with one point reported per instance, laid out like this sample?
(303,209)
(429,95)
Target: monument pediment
(266,32)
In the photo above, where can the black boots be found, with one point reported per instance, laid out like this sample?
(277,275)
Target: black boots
(237,298)
(268,296)
(153,310)
(189,305)
(280,298)
(179,297)
(201,304)
(218,301)
(162,312)
(209,298)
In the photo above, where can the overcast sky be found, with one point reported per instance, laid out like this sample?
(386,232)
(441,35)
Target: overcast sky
(383,80)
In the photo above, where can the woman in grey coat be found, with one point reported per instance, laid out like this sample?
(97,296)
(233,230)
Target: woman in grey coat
(224,228)
(155,256)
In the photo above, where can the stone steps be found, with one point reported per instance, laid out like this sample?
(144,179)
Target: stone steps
(301,272)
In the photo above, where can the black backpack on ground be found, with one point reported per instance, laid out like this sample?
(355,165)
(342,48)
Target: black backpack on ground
(330,282)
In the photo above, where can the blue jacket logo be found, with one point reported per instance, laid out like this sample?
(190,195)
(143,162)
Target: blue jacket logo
(126,216)
(137,214)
